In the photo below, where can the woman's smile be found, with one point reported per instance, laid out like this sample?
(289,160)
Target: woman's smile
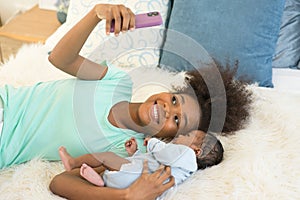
(154,113)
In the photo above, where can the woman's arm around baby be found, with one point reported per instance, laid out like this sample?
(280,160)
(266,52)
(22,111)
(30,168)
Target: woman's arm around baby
(149,186)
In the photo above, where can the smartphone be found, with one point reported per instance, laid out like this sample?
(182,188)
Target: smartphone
(144,20)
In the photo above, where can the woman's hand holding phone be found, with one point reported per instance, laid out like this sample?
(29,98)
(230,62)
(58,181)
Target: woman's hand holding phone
(144,20)
(122,17)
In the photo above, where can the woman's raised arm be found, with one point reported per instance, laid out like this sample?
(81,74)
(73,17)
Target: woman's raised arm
(149,186)
(65,55)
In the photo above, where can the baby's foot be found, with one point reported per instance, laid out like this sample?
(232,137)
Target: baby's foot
(91,175)
(66,158)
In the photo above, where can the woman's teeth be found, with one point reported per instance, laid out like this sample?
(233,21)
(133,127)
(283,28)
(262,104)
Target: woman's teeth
(156,113)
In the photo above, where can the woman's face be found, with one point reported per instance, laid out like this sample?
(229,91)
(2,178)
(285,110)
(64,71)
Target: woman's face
(166,114)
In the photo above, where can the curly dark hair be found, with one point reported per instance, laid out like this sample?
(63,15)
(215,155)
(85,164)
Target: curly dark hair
(217,87)
(212,152)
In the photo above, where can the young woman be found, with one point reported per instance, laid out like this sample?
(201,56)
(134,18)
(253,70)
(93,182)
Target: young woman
(93,113)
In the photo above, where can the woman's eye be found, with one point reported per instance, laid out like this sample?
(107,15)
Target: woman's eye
(176,119)
(174,100)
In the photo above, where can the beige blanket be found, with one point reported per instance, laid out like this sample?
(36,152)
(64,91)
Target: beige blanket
(261,161)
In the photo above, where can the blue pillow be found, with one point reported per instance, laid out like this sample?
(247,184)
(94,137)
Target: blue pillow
(287,53)
(230,30)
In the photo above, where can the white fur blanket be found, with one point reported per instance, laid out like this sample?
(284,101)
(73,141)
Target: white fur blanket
(260,162)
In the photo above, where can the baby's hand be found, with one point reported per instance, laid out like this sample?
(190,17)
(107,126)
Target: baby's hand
(131,146)
(146,141)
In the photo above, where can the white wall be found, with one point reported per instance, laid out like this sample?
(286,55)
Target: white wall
(10,8)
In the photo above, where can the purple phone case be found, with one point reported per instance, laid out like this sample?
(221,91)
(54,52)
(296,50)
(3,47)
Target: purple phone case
(144,20)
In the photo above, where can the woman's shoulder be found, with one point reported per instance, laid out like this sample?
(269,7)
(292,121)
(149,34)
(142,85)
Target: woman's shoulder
(114,72)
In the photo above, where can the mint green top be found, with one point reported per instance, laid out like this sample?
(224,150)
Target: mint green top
(71,113)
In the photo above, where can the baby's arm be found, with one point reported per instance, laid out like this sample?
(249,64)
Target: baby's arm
(154,144)
(131,144)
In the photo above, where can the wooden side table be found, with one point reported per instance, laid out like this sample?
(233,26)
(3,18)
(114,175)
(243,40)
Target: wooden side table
(32,26)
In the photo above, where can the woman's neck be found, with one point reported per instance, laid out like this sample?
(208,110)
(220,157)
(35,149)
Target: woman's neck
(125,115)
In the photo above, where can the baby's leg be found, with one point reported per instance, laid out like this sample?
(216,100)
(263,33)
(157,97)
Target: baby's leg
(71,162)
(91,175)
(67,159)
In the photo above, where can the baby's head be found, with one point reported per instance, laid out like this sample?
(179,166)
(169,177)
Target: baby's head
(208,149)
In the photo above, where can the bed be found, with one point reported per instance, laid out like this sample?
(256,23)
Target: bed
(261,161)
